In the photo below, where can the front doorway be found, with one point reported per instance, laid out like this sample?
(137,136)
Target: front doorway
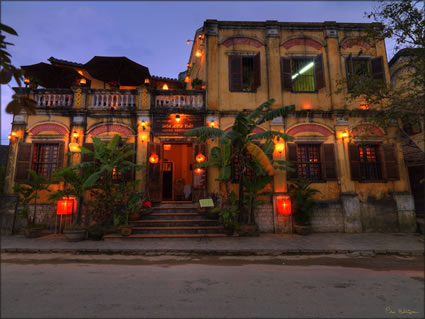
(177,172)
(172,174)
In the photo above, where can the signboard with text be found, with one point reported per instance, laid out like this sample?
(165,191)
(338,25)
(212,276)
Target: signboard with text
(175,124)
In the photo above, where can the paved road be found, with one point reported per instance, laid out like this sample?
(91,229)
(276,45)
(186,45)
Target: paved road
(223,287)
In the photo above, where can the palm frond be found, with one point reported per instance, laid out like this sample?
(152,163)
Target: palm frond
(266,105)
(241,124)
(204,133)
(280,112)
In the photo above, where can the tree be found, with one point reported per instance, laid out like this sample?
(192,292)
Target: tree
(404,22)
(8,70)
(242,137)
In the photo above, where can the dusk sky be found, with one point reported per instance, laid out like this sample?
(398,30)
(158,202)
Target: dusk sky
(153,34)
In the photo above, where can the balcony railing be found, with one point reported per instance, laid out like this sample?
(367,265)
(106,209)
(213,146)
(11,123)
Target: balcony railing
(178,99)
(108,99)
(46,98)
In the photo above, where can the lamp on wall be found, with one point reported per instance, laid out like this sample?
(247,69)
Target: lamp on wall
(143,137)
(165,86)
(12,136)
(178,118)
(153,159)
(200,158)
(198,53)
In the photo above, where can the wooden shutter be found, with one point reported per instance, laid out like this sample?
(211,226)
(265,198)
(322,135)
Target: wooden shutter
(285,72)
(61,154)
(319,72)
(128,175)
(23,161)
(349,70)
(390,161)
(257,72)
(235,73)
(87,157)
(377,67)
(292,157)
(354,156)
(154,179)
(199,180)
(328,162)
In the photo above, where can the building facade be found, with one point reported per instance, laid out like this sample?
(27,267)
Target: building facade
(358,167)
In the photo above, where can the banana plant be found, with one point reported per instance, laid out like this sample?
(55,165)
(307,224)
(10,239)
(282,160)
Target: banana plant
(241,138)
(220,157)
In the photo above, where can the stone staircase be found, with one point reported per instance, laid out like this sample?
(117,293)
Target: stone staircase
(174,220)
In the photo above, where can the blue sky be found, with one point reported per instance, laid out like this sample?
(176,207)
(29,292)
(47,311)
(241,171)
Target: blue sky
(151,33)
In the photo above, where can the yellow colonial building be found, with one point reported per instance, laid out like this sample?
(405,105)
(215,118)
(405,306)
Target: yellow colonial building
(358,167)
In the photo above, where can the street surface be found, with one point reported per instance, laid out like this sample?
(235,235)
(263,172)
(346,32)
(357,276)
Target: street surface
(72,286)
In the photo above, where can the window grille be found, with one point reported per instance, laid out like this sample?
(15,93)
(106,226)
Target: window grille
(309,165)
(370,166)
(45,159)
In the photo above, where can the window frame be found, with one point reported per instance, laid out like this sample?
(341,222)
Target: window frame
(293,73)
(379,164)
(37,165)
(320,163)
(256,72)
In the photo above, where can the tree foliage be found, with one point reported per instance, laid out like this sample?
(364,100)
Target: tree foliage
(404,22)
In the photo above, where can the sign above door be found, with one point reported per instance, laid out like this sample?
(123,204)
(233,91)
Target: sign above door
(175,124)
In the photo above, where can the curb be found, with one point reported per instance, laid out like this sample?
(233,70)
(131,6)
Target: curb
(204,252)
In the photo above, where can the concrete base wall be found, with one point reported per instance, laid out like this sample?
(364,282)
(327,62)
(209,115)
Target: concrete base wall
(264,218)
(328,217)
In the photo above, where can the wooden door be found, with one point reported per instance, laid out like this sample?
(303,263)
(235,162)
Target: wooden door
(199,178)
(154,173)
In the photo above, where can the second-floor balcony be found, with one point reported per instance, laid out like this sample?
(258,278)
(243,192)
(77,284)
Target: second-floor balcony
(178,99)
(112,99)
(54,98)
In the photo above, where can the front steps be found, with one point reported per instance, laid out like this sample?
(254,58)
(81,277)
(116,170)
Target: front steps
(173,220)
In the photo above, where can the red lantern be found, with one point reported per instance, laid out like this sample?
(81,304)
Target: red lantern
(284,205)
(153,159)
(200,158)
(199,170)
(65,207)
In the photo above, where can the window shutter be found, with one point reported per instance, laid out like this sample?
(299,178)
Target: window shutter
(235,73)
(377,67)
(128,175)
(390,160)
(292,157)
(61,154)
(319,72)
(87,157)
(285,72)
(154,180)
(257,72)
(354,156)
(349,70)
(23,161)
(328,162)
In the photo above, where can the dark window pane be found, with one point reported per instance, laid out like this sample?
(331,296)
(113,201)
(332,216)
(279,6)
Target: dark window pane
(309,161)
(247,73)
(361,67)
(370,166)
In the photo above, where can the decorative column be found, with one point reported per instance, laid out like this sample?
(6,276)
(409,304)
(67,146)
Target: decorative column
(211,58)
(143,138)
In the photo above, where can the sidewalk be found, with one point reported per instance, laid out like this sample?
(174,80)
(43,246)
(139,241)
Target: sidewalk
(367,244)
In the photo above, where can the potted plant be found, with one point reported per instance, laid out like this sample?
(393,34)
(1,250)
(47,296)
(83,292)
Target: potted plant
(147,208)
(197,84)
(28,192)
(74,232)
(301,195)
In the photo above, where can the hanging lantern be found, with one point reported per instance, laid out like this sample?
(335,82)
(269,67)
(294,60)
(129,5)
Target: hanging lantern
(83,81)
(165,87)
(200,158)
(153,159)
(199,171)
(178,118)
(212,123)
(279,147)
(65,207)
(284,205)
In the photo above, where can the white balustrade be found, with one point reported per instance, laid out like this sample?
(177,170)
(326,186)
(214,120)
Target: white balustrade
(51,100)
(107,100)
(179,100)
